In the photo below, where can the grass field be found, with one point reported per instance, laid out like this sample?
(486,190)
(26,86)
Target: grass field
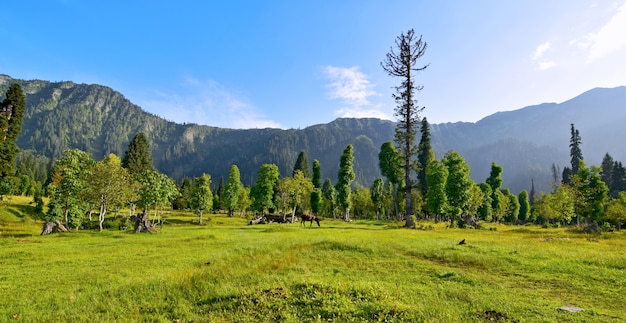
(227,271)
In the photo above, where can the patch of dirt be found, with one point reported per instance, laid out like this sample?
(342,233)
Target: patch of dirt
(495,316)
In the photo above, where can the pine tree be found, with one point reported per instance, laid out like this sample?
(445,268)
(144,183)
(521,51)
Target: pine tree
(137,158)
(345,177)
(317,174)
(302,164)
(495,182)
(11,116)
(425,155)
(576,154)
(524,206)
(402,64)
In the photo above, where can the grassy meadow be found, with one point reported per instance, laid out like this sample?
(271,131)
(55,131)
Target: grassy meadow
(228,271)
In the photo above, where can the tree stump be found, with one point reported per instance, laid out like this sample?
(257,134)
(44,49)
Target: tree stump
(261,220)
(53,227)
(142,223)
(592,228)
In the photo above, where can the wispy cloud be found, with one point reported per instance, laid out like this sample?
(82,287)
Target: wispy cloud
(206,102)
(541,49)
(610,38)
(539,56)
(353,88)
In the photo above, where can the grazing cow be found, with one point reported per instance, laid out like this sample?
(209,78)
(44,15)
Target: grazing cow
(310,217)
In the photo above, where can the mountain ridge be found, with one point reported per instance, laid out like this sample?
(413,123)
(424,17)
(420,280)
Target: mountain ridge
(526,141)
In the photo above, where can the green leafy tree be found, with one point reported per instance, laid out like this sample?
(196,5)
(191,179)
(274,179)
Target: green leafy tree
(616,210)
(390,164)
(232,190)
(220,193)
(302,164)
(155,191)
(558,206)
(317,199)
(262,192)
(328,192)
(184,201)
(377,192)
(495,182)
(402,63)
(68,181)
(425,155)
(524,209)
(108,186)
(362,205)
(317,174)
(436,197)
(293,192)
(485,211)
(458,185)
(590,191)
(202,196)
(244,201)
(137,158)
(513,206)
(345,177)
(11,116)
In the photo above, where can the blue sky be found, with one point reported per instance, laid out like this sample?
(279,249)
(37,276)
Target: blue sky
(292,64)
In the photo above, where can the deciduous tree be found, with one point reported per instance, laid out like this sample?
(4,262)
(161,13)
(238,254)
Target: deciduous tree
(68,182)
(390,164)
(108,186)
(202,196)
(232,190)
(262,193)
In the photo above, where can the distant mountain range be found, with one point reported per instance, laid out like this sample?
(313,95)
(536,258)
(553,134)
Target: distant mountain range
(526,142)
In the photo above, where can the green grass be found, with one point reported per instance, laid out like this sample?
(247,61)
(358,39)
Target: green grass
(227,271)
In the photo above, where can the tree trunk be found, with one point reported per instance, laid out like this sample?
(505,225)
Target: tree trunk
(346,215)
(101,216)
(200,217)
(293,214)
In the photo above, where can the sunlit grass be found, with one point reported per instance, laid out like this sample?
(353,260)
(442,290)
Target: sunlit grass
(228,271)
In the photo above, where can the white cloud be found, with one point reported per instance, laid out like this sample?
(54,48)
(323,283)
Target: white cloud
(610,37)
(353,88)
(208,103)
(541,50)
(349,85)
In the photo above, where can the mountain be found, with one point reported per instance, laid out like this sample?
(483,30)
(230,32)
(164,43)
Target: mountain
(526,142)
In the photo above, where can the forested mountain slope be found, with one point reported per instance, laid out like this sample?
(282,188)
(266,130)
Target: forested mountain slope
(97,119)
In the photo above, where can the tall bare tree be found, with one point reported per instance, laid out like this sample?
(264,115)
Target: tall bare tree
(402,62)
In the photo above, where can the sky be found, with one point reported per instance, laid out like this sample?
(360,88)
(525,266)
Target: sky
(293,64)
